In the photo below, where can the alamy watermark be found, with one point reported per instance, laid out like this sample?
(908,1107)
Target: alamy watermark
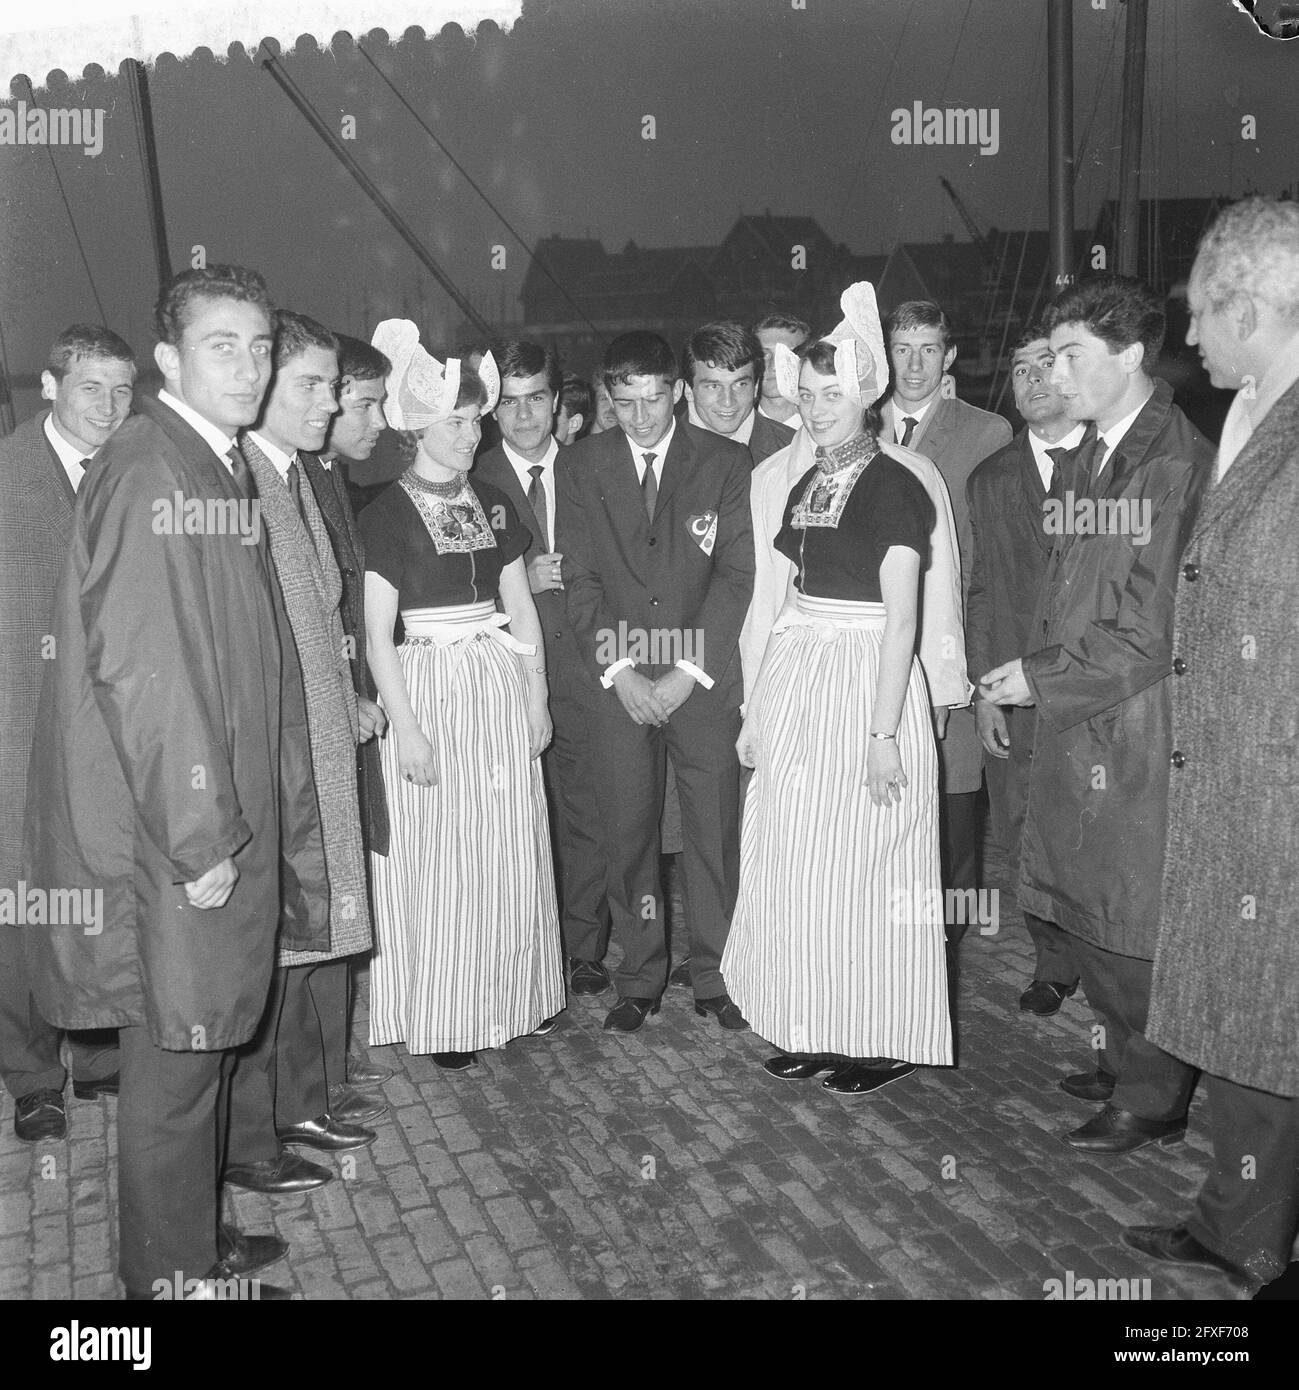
(179,515)
(919,124)
(655,646)
(55,125)
(959,906)
(52,907)
(1098,516)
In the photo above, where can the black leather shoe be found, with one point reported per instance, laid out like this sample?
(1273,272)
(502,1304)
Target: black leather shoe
(324,1132)
(787,1068)
(1044,997)
(353,1107)
(545,1028)
(1090,1085)
(41,1115)
(856,1078)
(92,1090)
(629,1013)
(1116,1131)
(681,975)
(587,977)
(724,1011)
(239,1255)
(361,1071)
(283,1176)
(1175,1245)
(453,1061)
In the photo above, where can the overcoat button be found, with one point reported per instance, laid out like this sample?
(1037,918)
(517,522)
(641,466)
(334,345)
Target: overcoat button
(1190,573)
(1179,667)
(653,540)
(1178,759)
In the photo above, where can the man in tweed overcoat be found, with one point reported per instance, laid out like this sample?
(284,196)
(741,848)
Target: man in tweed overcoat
(1225,995)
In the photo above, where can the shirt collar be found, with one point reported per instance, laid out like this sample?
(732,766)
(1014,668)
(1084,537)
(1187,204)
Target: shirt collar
(71,456)
(660,450)
(902,411)
(523,468)
(216,439)
(1113,437)
(1039,445)
(742,435)
(277,456)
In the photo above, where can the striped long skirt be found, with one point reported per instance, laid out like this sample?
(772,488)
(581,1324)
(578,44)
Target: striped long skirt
(466,941)
(837,940)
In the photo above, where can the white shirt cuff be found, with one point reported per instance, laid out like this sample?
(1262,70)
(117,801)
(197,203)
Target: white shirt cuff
(610,672)
(692,670)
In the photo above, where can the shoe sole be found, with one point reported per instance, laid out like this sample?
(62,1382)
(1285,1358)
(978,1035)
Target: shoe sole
(41,1138)
(327,1148)
(1165,1141)
(902,1073)
(91,1092)
(299,1186)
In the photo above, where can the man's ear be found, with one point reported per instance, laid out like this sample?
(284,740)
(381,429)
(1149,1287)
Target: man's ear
(1245,314)
(949,357)
(49,386)
(1132,357)
(575,423)
(167,357)
(690,396)
(677,390)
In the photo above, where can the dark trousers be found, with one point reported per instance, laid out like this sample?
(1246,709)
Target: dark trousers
(1248,1208)
(29,1046)
(958,838)
(169,1138)
(575,830)
(284,1074)
(1151,1082)
(1052,944)
(630,763)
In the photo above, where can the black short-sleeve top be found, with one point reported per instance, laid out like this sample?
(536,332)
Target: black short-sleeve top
(838,527)
(438,551)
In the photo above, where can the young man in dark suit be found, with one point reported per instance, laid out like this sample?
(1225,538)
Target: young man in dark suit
(656,534)
(922,414)
(522,465)
(88,380)
(1011,547)
(722,369)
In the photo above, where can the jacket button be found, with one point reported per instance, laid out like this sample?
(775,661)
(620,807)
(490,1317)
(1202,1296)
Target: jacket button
(1178,759)
(559,636)
(1190,573)
(653,540)
(654,603)
(1179,667)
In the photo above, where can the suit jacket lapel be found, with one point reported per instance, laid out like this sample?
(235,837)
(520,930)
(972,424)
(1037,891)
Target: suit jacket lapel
(51,483)
(1034,491)
(676,467)
(934,428)
(621,488)
(332,507)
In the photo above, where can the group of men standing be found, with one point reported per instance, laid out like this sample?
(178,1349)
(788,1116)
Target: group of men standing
(201,725)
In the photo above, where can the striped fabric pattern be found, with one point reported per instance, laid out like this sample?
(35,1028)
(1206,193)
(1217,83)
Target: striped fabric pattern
(837,940)
(467,947)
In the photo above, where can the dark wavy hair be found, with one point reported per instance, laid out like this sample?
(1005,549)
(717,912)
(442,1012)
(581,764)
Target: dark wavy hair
(171,311)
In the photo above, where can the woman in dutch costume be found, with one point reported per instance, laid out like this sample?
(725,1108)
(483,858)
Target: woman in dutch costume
(836,951)
(467,948)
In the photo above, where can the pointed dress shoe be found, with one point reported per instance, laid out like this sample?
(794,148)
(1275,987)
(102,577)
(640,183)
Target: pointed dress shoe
(354,1107)
(361,1071)
(724,1011)
(629,1013)
(453,1061)
(587,976)
(860,1078)
(786,1068)
(545,1028)
(239,1255)
(41,1115)
(681,975)
(284,1176)
(1116,1131)
(327,1133)
(1044,998)
(1175,1245)
(92,1090)
(1090,1085)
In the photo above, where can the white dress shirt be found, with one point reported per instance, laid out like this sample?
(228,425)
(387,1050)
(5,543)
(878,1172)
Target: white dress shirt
(1113,437)
(216,439)
(1040,446)
(277,456)
(71,456)
(521,468)
(1245,415)
(903,412)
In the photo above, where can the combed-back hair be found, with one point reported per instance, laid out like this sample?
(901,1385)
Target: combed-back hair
(577,398)
(730,346)
(295,333)
(785,323)
(521,359)
(1120,310)
(86,340)
(1030,333)
(171,311)
(917,313)
(639,354)
(359,361)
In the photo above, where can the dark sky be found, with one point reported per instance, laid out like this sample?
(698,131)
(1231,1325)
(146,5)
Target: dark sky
(758,105)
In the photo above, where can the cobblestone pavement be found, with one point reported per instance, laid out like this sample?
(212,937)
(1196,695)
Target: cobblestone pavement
(668,1165)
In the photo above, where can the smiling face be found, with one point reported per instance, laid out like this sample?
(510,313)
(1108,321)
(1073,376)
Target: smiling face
(302,402)
(356,428)
(723,400)
(451,441)
(829,415)
(1092,380)
(919,360)
(1038,402)
(643,405)
(525,413)
(1215,331)
(91,400)
(222,363)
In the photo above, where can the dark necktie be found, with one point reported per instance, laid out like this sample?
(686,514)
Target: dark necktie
(239,470)
(649,488)
(910,424)
(537,501)
(1057,456)
(295,489)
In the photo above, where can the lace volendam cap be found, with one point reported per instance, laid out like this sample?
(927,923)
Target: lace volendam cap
(860,358)
(421,390)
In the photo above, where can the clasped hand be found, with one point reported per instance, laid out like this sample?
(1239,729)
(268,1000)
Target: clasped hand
(652,702)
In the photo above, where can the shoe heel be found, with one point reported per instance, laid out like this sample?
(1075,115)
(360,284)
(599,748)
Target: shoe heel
(701,1011)
(657,1006)
(1169,1140)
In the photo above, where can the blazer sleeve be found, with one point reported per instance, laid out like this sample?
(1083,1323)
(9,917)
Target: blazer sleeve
(153,668)
(588,609)
(978,601)
(730,587)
